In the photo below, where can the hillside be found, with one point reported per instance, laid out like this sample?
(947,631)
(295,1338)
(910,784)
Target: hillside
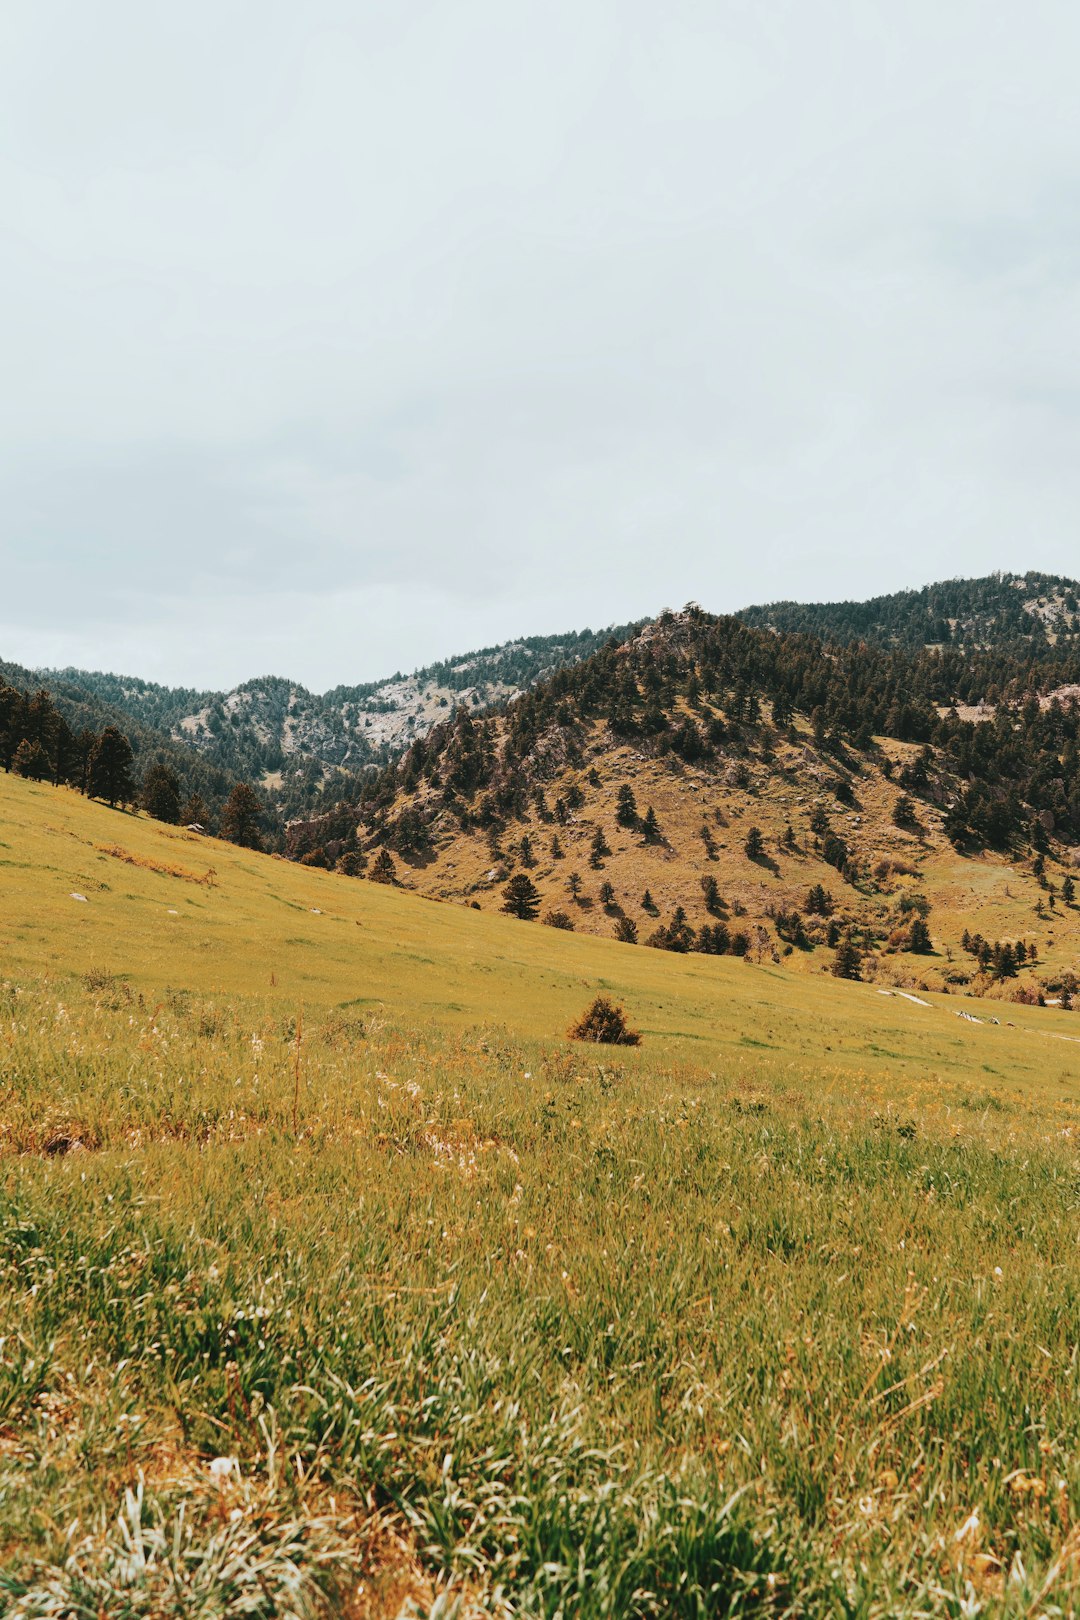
(876,805)
(290,741)
(165,910)
(1007,611)
(84,708)
(334,1280)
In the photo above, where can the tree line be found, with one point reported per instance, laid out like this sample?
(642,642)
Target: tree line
(36,742)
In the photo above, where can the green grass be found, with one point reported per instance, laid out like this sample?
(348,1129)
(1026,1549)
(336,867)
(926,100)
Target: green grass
(493,1322)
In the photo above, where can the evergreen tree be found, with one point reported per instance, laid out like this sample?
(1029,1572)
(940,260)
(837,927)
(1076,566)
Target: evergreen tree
(383,869)
(598,849)
(904,813)
(710,890)
(819,901)
(110,768)
(607,894)
(754,846)
(556,848)
(241,819)
(626,807)
(31,761)
(648,903)
(847,963)
(919,938)
(521,898)
(160,795)
(573,884)
(626,931)
(194,813)
(1068,890)
(650,827)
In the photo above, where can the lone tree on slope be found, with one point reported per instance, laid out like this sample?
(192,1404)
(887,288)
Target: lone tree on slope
(241,819)
(161,794)
(848,962)
(521,898)
(110,768)
(383,869)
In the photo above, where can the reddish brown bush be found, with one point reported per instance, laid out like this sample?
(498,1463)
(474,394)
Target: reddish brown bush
(604,1023)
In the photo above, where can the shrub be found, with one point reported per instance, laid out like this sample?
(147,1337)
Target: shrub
(559,919)
(605,1023)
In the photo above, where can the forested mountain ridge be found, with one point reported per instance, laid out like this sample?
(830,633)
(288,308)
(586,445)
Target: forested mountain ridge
(713,785)
(1007,611)
(292,742)
(86,710)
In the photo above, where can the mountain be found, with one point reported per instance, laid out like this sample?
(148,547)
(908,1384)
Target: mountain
(1001,610)
(87,706)
(878,804)
(298,744)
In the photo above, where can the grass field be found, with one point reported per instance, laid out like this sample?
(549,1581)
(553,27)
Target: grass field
(334,1280)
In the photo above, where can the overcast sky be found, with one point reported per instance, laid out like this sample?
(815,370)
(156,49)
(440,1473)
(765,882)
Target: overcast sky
(340,337)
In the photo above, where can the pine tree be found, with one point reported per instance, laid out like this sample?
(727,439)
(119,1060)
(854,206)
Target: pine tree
(626,931)
(919,938)
(648,903)
(754,846)
(556,848)
(904,812)
(521,898)
(847,963)
(1068,890)
(110,768)
(383,869)
(160,795)
(31,760)
(626,807)
(194,813)
(241,819)
(598,849)
(573,884)
(607,894)
(710,890)
(650,827)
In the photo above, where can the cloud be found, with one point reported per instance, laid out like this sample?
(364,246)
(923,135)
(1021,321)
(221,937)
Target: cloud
(340,337)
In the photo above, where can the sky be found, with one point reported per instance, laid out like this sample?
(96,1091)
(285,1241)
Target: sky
(340,337)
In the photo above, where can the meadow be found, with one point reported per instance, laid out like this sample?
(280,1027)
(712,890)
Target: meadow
(335,1281)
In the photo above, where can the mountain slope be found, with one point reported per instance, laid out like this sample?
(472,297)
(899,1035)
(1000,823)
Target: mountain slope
(86,707)
(859,777)
(293,742)
(1000,610)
